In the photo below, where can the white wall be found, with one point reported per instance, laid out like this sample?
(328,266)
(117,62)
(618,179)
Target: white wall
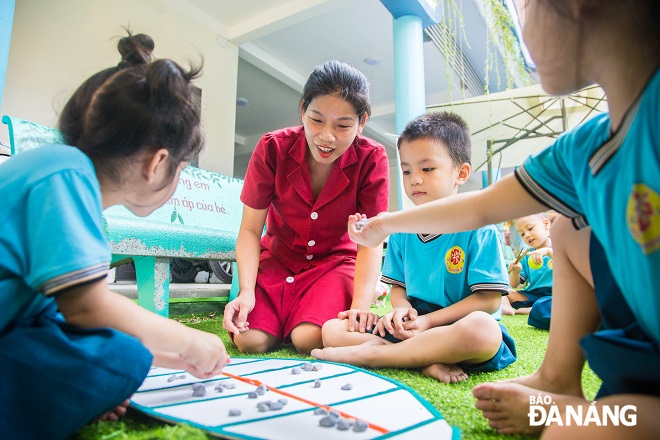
(57,44)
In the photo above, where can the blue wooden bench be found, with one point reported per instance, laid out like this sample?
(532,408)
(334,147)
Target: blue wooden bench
(199,222)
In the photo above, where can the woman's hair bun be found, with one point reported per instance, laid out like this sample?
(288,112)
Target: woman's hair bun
(135,50)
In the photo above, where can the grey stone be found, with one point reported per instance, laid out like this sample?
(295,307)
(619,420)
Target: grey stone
(199,390)
(347,387)
(296,370)
(317,383)
(234,412)
(360,426)
(328,422)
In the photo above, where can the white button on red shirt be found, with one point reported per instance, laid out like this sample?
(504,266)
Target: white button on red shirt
(289,280)
(311,243)
(314,215)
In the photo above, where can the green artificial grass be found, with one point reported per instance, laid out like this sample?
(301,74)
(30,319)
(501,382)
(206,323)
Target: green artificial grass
(454,401)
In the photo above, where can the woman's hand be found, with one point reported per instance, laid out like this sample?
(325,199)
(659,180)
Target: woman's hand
(369,232)
(359,319)
(236,312)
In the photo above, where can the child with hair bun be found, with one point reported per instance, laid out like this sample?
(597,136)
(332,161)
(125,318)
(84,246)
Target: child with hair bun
(70,349)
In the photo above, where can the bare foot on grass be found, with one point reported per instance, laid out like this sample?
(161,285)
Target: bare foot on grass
(562,385)
(507,405)
(446,373)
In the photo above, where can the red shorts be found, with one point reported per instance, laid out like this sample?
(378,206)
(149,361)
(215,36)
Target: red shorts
(285,299)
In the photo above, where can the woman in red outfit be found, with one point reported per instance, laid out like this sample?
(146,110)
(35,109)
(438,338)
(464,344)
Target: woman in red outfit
(303,183)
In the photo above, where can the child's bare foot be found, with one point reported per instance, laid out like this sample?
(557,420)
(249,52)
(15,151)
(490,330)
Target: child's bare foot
(523,311)
(506,405)
(560,385)
(446,373)
(506,307)
(115,414)
(353,355)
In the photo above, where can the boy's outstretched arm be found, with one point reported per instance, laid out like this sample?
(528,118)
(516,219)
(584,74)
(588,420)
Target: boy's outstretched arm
(501,201)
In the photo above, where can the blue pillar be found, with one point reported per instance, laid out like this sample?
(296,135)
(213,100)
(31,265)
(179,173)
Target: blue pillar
(409,90)
(410,19)
(6,21)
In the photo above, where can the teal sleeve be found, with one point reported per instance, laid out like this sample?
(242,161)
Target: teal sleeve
(65,240)
(393,267)
(485,264)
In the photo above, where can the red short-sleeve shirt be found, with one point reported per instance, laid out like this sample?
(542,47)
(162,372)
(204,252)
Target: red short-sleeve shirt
(302,232)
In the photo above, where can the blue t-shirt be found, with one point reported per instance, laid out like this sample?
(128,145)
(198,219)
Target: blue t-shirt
(52,228)
(537,276)
(444,269)
(611,181)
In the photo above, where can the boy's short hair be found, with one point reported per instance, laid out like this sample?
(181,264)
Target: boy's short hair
(448,128)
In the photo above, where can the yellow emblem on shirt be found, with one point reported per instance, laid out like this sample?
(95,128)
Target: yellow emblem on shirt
(455,260)
(643,217)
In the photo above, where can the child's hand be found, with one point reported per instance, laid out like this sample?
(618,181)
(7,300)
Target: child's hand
(393,321)
(206,356)
(413,327)
(236,312)
(367,233)
(515,267)
(538,255)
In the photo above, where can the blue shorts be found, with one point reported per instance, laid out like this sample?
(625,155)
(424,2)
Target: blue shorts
(539,315)
(625,359)
(505,356)
(56,377)
(532,296)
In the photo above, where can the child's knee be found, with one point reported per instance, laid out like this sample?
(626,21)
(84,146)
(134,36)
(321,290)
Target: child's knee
(479,332)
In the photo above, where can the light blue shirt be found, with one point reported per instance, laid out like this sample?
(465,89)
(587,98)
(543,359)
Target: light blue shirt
(536,276)
(52,228)
(612,182)
(444,269)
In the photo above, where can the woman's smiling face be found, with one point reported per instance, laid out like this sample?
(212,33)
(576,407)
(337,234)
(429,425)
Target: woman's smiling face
(331,125)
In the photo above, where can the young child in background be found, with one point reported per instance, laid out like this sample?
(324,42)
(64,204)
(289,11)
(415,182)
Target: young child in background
(534,270)
(444,287)
(602,177)
(70,349)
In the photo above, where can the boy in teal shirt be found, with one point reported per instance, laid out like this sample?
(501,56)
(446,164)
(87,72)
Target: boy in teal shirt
(444,286)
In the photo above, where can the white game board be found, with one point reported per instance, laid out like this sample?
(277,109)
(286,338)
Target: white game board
(391,409)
